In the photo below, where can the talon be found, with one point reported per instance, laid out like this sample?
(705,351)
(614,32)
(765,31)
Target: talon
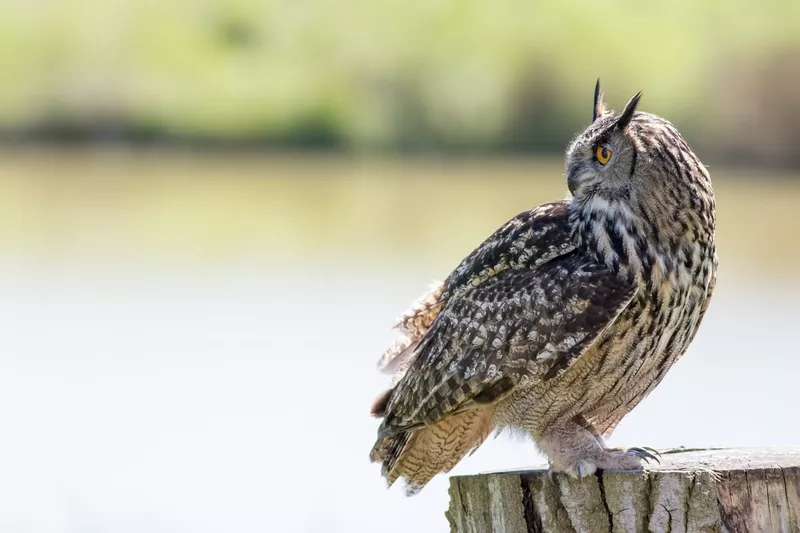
(583,469)
(648,449)
(652,450)
(644,453)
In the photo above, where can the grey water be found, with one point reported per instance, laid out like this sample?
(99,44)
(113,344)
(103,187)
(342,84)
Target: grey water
(198,355)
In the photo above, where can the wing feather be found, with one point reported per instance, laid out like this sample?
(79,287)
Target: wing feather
(528,240)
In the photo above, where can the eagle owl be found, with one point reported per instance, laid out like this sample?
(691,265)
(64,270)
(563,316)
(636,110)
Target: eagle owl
(566,317)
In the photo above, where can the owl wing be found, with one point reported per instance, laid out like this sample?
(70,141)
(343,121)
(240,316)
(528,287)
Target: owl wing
(517,327)
(530,239)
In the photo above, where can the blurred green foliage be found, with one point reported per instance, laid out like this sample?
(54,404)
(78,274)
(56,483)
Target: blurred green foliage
(507,75)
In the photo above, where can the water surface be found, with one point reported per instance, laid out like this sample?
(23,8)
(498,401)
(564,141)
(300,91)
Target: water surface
(189,340)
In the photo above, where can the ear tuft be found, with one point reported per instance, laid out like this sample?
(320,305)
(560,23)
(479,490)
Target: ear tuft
(627,113)
(599,105)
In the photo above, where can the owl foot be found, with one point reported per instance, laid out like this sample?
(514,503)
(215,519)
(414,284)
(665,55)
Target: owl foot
(578,452)
(612,459)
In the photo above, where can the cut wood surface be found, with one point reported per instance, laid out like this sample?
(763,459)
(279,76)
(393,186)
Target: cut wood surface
(702,490)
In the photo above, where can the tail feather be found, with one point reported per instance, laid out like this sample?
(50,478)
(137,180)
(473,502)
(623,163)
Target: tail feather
(418,455)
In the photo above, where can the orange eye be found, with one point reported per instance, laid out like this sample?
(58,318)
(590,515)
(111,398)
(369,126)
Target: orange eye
(602,154)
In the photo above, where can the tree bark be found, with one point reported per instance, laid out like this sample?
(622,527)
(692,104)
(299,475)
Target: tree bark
(708,490)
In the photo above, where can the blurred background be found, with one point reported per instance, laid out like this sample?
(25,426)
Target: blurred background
(212,212)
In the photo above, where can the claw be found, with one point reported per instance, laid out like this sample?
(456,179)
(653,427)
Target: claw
(584,469)
(550,475)
(647,454)
(652,450)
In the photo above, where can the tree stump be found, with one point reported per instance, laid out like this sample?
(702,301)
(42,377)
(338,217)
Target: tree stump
(701,490)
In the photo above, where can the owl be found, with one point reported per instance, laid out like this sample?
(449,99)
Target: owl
(566,317)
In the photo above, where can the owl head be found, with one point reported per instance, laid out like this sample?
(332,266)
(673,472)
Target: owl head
(634,170)
(603,158)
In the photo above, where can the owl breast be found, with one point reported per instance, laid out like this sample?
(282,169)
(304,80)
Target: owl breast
(650,335)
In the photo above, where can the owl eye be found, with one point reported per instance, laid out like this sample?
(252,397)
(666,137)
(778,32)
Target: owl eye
(602,154)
